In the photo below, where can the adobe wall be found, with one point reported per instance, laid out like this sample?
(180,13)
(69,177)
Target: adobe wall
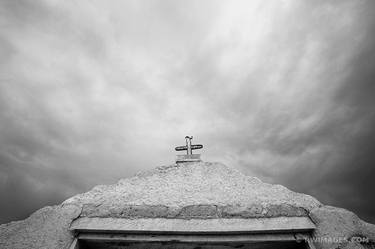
(185,191)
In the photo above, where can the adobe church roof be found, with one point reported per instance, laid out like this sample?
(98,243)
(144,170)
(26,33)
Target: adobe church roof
(182,191)
(197,190)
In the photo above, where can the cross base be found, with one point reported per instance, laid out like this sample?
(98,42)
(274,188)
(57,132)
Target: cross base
(188,158)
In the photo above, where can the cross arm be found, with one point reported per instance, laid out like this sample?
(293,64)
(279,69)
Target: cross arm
(179,148)
(193,147)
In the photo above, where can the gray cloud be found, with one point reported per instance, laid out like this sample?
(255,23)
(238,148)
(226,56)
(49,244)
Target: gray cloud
(282,91)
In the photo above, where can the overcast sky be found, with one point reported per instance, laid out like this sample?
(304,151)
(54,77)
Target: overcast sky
(95,91)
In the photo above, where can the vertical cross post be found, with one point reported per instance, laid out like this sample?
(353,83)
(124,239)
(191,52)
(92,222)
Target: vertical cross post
(188,145)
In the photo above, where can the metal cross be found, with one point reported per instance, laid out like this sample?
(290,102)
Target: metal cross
(189,147)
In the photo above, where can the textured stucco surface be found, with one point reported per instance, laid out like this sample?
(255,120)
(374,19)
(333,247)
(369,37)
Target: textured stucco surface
(197,190)
(184,191)
(338,223)
(46,228)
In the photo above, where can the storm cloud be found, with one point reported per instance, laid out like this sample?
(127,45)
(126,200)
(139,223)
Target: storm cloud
(94,91)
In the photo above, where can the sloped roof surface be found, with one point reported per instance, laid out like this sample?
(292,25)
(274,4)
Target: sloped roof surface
(197,190)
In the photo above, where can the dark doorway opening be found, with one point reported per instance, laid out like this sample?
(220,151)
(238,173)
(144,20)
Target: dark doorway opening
(189,241)
(175,245)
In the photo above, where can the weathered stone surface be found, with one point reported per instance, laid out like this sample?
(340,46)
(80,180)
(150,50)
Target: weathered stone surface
(197,190)
(339,225)
(182,191)
(46,228)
